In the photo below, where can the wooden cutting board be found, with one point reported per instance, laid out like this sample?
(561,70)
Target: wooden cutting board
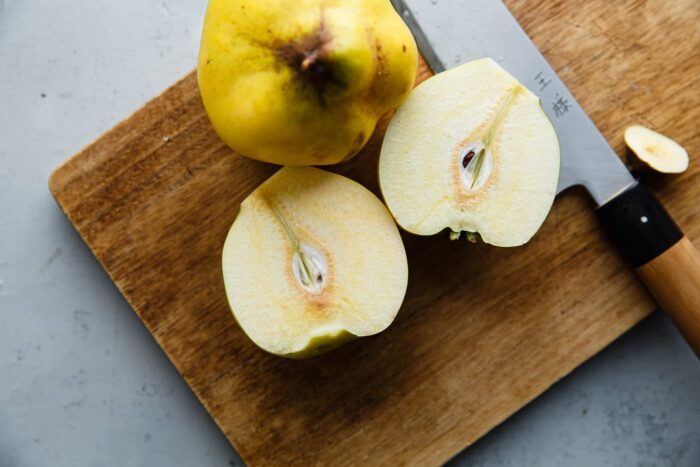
(483,331)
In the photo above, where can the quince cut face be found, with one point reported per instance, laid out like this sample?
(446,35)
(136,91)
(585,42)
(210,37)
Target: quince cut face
(312,261)
(303,82)
(656,151)
(471,150)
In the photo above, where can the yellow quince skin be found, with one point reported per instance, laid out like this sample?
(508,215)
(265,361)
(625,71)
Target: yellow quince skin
(303,82)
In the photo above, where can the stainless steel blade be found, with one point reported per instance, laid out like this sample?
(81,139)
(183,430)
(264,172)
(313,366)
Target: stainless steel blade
(451,32)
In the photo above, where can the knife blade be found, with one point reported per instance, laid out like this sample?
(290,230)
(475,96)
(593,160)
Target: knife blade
(446,40)
(451,32)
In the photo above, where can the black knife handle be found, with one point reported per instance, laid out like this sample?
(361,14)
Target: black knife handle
(639,225)
(665,260)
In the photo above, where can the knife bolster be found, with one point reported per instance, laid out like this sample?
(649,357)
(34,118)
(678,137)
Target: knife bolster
(639,225)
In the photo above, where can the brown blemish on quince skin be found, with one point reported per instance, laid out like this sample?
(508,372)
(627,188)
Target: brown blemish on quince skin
(308,57)
(301,54)
(356,147)
(378,89)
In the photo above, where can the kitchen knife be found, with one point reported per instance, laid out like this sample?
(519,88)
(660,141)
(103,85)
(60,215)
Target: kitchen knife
(451,32)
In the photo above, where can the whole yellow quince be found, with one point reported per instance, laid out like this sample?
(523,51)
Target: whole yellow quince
(303,82)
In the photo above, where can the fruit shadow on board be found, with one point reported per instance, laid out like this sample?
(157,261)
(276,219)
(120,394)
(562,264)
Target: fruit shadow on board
(370,376)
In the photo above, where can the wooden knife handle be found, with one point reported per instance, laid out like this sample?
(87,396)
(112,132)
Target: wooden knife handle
(665,260)
(674,280)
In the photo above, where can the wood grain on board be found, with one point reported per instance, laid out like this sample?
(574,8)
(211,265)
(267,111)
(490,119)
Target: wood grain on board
(483,331)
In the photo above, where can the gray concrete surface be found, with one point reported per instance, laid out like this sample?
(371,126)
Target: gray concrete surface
(81,381)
